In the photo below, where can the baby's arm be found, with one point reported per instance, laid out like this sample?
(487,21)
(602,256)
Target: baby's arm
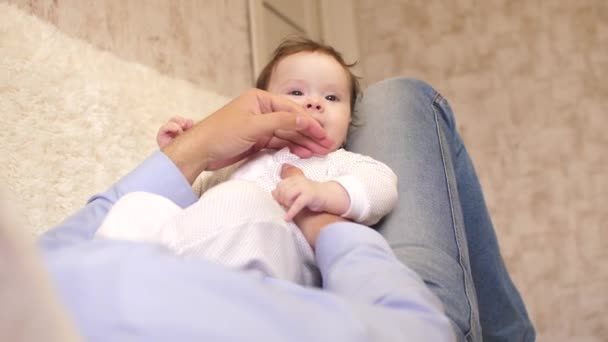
(297,192)
(362,189)
(371,185)
(171,129)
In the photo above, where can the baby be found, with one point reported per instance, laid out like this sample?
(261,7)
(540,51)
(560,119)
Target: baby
(243,218)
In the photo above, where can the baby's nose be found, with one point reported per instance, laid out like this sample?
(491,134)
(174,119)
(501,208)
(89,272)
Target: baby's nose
(313,106)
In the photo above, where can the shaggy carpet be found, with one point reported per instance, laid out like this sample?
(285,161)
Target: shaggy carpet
(74,119)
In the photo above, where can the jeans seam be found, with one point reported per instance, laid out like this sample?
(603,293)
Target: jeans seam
(435,101)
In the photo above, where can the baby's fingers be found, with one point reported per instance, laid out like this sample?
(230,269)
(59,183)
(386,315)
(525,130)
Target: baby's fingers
(183,123)
(173,128)
(188,124)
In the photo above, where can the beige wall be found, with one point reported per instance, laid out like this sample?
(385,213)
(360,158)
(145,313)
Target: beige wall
(205,42)
(527,80)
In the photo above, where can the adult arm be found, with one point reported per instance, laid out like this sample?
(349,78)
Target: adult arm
(253,121)
(380,297)
(141,292)
(368,294)
(390,300)
(157,174)
(119,290)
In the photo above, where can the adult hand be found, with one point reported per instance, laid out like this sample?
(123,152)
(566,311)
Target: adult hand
(309,222)
(253,121)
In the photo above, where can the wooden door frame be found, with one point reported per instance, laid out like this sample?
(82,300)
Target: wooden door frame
(338,29)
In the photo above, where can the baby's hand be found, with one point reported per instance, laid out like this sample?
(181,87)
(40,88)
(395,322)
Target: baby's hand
(171,129)
(297,192)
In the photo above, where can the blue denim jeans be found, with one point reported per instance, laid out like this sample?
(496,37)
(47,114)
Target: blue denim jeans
(441,227)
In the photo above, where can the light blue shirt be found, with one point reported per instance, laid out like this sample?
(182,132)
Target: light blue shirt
(127,291)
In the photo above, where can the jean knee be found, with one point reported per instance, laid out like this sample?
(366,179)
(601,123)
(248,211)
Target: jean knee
(414,94)
(407,87)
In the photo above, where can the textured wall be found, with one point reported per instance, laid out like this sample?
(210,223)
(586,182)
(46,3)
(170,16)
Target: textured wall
(205,42)
(527,80)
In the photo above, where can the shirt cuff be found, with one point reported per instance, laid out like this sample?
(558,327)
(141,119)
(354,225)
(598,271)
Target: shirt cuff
(338,239)
(159,175)
(358,209)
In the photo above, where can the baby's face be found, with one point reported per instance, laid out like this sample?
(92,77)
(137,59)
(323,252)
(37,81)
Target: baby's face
(320,85)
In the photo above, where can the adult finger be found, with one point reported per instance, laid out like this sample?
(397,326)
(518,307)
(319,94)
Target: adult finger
(269,103)
(288,170)
(299,204)
(318,146)
(302,152)
(298,129)
(277,143)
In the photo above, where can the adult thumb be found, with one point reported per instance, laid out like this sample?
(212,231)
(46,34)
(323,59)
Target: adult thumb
(288,170)
(304,124)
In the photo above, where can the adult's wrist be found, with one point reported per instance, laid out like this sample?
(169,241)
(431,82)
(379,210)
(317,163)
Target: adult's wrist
(312,223)
(188,153)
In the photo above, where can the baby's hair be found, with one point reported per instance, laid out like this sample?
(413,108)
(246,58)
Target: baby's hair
(291,46)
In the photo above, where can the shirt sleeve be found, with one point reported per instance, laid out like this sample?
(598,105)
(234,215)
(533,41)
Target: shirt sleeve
(370,184)
(157,174)
(392,301)
(113,288)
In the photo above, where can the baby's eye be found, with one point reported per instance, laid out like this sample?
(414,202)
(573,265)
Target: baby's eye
(332,98)
(295,93)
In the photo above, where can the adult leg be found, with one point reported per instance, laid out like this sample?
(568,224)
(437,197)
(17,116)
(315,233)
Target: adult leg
(441,216)
(502,312)
(401,127)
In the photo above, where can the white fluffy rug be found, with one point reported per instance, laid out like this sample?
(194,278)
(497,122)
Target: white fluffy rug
(73,119)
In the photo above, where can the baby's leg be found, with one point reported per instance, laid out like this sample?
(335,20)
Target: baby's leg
(239,225)
(137,216)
